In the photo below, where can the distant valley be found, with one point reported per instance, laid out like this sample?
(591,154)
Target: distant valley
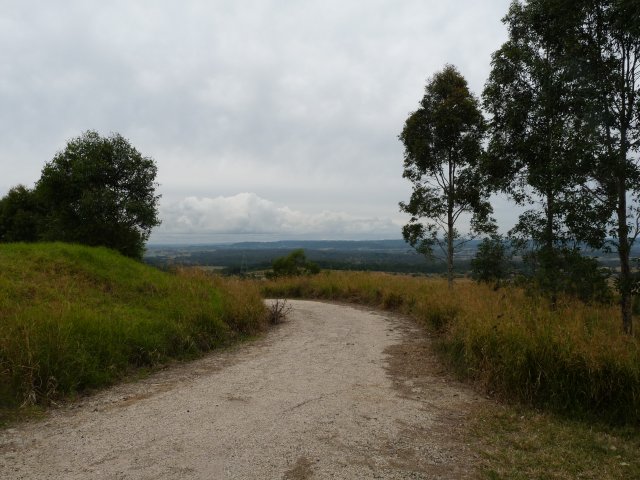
(367,255)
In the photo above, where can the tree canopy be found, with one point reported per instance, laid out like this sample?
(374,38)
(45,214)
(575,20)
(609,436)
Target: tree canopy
(294,264)
(443,146)
(97,191)
(564,101)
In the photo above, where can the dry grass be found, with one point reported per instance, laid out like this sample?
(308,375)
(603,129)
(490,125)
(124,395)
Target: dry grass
(521,443)
(75,318)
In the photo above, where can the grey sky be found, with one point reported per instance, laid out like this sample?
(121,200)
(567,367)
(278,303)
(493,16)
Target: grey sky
(271,117)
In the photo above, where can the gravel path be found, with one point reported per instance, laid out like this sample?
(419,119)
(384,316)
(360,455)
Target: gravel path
(334,392)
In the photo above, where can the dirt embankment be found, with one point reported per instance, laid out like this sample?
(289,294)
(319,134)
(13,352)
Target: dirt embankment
(335,392)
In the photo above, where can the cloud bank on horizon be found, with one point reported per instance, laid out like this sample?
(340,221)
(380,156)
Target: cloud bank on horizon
(264,116)
(247,213)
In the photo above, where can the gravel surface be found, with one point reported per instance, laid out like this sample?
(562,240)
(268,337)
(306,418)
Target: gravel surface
(334,392)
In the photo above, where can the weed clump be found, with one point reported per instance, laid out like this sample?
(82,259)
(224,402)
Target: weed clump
(279,310)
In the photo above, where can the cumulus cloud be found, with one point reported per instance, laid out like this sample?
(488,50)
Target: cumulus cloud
(247,213)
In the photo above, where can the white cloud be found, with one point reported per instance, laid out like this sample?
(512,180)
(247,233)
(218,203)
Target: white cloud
(247,213)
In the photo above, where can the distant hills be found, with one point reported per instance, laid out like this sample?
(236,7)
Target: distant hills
(393,255)
(373,255)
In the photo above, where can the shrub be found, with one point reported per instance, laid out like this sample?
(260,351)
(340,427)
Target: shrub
(294,264)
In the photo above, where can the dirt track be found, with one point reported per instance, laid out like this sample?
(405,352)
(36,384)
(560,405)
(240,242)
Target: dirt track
(335,392)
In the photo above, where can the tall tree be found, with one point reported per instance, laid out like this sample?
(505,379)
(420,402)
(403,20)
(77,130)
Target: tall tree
(536,136)
(443,146)
(100,191)
(606,62)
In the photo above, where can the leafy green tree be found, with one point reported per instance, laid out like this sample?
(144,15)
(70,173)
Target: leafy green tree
(443,146)
(606,59)
(20,216)
(593,47)
(294,264)
(100,191)
(492,262)
(537,140)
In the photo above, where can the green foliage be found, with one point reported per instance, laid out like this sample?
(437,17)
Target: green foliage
(294,264)
(572,274)
(564,100)
(492,263)
(20,216)
(99,191)
(443,145)
(75,318)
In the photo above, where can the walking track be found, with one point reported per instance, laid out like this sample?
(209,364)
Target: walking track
(334,392)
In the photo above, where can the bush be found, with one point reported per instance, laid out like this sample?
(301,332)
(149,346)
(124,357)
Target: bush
(492,262)
(292,265)
(20,216)
(568,272)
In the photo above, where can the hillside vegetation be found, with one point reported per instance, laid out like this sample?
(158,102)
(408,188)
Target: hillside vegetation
(573,360)
(74,318)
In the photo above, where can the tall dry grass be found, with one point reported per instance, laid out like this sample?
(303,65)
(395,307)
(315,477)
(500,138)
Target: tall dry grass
(74,318)
(574,359)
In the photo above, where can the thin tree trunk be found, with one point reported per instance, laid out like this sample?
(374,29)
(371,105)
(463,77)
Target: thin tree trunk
(548,256)
(625,267)
(624,245)
(450,225)
(450,250)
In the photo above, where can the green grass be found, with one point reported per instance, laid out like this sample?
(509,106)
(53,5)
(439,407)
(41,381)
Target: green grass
(74,318)
(516,443)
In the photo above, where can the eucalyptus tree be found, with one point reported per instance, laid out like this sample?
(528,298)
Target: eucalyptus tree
(606,63)
(589,87)
(443,147)
(536,138)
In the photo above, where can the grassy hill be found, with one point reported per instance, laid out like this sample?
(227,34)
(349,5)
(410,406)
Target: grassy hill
(73,318)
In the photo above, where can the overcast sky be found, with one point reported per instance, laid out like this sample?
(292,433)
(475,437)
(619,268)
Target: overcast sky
(267,118)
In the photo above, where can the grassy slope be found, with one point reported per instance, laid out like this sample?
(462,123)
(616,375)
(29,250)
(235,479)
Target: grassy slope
(74,318)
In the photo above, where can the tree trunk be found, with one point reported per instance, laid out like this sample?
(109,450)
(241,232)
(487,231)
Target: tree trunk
(624,243)
(450,225)
(624,246)
(548,257)
(450,250)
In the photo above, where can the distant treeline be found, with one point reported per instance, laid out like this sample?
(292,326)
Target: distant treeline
(243,258)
